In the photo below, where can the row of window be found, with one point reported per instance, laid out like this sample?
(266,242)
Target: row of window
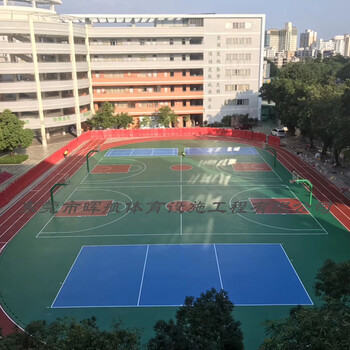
(124,58)
(237,72)
(237,87)
(148,41)
(155,104)
(238,41)
(231,57)
(237,102)
(238,25)
(148,89)
(149,74)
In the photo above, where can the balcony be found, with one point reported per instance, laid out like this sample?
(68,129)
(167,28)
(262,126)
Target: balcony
(144,65)
(17,68)
(140,111)
(149,96)
(144,49)
(160,79)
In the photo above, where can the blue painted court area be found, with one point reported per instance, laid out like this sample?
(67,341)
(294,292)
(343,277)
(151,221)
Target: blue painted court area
(209,151)
(142,152)
(163,275)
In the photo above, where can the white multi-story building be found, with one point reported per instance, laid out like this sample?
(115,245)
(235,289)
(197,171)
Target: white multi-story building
(44,66)
(55,70)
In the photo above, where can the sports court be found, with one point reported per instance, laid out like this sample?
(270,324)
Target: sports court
(147,227)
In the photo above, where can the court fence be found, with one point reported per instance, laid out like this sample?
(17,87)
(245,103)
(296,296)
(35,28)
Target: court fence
(20,184)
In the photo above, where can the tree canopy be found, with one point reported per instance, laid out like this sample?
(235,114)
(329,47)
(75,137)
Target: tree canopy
(317,328)
(106,119)
(166,116)
(202,323)
(310,96)
(12,133)
(123,120)
(68,334)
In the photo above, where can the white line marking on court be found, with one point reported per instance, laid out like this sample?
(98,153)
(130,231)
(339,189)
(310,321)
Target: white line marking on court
(50,234)
(266,225)
(296,274)
(218,266)
(91,228)
(270,166)
(143,275)
(91,170)
(308,211)
(52,176)
(99,182)
(53,215)
(75,260)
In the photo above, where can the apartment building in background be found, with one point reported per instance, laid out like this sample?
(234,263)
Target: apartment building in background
(308,39)
(282,39)
(56,70)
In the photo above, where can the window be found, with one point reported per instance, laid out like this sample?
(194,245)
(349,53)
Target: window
(184,57)
(183,41)
(184,88)
(142,41)
(183,73)
(172,88)
(172,73)
(171,42)
(184,103)
(171,58)
(154,57)
(237,87)
(172,103)
(237,102)
(238,41)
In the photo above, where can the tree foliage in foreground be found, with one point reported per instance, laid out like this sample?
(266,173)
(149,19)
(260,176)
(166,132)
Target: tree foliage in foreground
(12,133)
(123,120)
(317,328)
(205,323)
(69,334)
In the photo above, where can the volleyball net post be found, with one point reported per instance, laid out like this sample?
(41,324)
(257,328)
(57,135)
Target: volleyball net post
(88,155)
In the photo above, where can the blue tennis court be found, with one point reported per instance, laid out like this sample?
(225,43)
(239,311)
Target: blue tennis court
(209,151)
(142,152)
(163,275)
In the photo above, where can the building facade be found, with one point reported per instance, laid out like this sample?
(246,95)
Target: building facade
(55,70)
(308,39)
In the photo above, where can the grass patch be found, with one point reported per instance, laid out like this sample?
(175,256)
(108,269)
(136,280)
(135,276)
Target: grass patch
(15,159)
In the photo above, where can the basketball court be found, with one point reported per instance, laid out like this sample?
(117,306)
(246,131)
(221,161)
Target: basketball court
(146,227)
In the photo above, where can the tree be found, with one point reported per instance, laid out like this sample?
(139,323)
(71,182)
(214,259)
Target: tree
(320,328)
(273,68)
(104,117)
(146,121)
(201,324)
(12,133)
(123,120)
(166,116)
(67,334)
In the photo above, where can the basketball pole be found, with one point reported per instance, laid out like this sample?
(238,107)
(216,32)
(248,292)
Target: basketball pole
(274,153)
(87,158)
(308,183)
(59,184)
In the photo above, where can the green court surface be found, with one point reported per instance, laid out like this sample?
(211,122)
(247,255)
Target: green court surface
(36,262)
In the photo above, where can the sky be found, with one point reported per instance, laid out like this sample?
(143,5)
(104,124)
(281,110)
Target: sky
(328,18)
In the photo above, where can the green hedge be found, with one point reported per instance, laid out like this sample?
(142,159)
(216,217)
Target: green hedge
(15,159)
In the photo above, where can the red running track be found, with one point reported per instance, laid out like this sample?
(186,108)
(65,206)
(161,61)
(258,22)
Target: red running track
(13,220)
